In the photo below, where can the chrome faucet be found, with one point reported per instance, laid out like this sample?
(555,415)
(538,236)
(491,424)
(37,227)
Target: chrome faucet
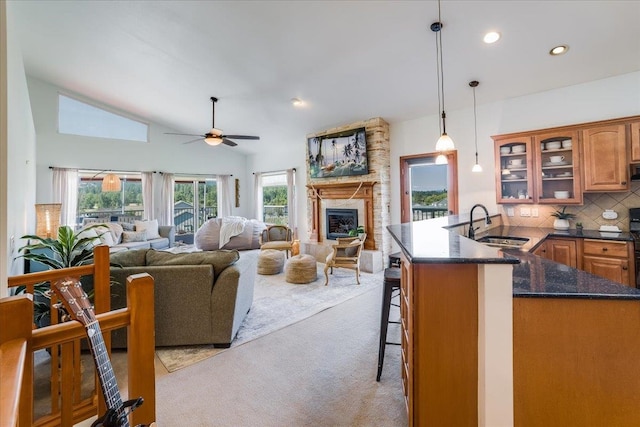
(472,231)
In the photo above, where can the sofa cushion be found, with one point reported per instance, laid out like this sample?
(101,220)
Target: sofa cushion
(126,226)
(133,258)
(219,259)
(161,243)
(151,227)
(134,236)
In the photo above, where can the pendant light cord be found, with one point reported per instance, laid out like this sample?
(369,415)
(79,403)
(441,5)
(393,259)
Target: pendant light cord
(439,87)
(475,121)
(441,79)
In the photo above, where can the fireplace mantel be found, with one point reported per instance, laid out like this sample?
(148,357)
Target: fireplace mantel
(362,190)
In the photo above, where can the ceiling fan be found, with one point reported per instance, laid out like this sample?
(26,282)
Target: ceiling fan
(215,136)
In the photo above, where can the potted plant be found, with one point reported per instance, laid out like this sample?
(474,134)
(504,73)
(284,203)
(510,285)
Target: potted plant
(562,219)
(359,232)
(69,249)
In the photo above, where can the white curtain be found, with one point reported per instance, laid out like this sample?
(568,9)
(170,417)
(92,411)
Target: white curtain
(65,191)
(257,196)
(147,195)
(291,201)
(224,195)
(166,200)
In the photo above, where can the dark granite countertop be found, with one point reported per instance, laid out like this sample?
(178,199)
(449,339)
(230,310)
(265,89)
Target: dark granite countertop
(429,241)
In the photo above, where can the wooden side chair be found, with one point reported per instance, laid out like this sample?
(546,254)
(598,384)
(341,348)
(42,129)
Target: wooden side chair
(279,237)
(346,254)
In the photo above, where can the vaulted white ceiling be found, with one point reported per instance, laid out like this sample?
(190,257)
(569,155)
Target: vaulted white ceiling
(348,60)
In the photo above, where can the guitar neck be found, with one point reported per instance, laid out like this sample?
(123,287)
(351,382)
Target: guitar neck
(106,376)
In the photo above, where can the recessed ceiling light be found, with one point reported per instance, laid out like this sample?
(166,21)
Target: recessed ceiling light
(559,50)
(296,102)
(491,37)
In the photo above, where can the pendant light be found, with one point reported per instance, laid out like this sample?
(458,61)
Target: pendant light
(111,183)
(444,143)
(474,84)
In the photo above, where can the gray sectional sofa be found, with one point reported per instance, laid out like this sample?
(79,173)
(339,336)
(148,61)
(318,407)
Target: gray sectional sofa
(200,297)
(123,235)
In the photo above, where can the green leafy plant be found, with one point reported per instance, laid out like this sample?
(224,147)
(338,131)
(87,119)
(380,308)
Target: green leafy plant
(356,231)
(562,214)
(69,249)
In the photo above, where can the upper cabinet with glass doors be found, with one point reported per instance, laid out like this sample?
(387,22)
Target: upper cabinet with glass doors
(514,170)
(557,168)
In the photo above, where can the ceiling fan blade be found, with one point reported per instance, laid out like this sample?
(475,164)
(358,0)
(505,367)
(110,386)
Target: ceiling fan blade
(228,142)
(183,134)
(193,140)
(240,136)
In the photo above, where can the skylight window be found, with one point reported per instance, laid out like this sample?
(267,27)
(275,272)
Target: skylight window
(79,118)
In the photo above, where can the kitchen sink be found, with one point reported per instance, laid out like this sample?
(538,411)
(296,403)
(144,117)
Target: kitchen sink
(503,241)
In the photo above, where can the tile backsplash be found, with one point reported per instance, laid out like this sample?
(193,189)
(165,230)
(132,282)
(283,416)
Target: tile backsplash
(590,214)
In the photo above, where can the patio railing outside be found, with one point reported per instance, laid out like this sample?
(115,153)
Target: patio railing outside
(428,212)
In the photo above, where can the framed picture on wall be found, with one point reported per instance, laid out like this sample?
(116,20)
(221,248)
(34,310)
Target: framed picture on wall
(339,154)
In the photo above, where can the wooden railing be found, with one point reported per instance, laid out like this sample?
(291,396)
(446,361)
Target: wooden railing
(63,340)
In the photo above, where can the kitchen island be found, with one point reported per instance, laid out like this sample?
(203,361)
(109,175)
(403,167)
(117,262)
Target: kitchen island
(564,354)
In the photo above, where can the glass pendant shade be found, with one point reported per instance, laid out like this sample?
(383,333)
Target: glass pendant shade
(445,143)
(441,159)
(476,168)
(111,182)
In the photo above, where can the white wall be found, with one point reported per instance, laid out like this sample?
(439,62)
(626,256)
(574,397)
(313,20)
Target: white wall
(163,153)
(598,100)
(18,165)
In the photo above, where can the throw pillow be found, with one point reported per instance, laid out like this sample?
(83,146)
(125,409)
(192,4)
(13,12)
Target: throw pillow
(132,258)
(151,227)
(134,236)
(220,259)
(126,226)
(90,233)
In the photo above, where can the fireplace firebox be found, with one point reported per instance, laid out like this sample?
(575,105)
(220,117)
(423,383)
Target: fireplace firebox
(340,222)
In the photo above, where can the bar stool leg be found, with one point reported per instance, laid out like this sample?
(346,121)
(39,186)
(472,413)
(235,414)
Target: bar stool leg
(384,323)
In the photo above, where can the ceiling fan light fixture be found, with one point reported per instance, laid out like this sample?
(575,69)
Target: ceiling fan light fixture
(297,102)
(213,140)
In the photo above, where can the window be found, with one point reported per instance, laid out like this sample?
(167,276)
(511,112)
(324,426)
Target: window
(94,203)
(79,118)
(428,190)
(274,198)
(196,200)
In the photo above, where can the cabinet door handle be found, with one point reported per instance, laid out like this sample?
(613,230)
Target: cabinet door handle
(604,249)
(625,268)
(623,183)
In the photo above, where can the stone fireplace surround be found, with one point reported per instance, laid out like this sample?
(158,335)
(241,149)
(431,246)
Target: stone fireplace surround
(370,194)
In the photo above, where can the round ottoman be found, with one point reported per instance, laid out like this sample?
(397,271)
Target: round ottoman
(301,269)
(270,261)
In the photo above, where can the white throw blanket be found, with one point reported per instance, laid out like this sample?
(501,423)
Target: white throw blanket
(231,226)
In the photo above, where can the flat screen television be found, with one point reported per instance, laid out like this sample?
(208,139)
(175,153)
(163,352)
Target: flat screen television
(338,154)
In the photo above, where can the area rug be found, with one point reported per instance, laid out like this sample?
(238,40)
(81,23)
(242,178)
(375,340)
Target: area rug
(276,304)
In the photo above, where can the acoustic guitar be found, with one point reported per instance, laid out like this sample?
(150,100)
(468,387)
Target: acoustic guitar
(76,302)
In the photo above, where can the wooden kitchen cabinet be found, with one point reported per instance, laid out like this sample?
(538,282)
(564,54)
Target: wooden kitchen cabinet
(605,160)
(514,170)
(634,129)
(557,167)
(613,260)
(406,344)
(564,251)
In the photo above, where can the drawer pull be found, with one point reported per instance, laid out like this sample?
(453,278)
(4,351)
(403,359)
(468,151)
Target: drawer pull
(605,249)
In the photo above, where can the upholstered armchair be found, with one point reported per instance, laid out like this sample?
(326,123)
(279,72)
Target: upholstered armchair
(346,254)
(279,237)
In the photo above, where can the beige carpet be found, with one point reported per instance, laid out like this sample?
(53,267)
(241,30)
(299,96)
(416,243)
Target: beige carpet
(277,304)
(318,372)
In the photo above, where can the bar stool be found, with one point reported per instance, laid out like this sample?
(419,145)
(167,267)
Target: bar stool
(391,289)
